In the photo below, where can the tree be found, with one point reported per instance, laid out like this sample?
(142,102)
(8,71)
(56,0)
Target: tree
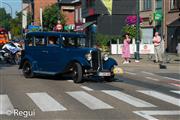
(16,25)
(5,19)
(51,15)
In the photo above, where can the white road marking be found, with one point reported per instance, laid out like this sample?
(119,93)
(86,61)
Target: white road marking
(175,91)
(147,73)
(161,96)
(70,80)
(177,85)
(89,100)
(172,79)
(148,114)
(131,73)
(152,78)
(46,102)
(6,107)
(86,88)
(128,99)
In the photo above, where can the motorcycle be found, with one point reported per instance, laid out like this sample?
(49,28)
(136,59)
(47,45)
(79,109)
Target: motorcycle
(11,53)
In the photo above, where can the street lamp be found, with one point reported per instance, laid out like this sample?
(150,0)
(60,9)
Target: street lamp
(137,32)
(8,6)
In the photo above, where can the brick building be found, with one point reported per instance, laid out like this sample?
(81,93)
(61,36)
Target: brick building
(147,10)
(69,9)
(168,26)
(40,4)
(172,24)
(34,6)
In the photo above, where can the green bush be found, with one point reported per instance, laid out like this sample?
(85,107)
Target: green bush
(131,30)
(103,41)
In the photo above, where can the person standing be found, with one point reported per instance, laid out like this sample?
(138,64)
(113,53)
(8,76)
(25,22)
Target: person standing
(126,49)
(157,47)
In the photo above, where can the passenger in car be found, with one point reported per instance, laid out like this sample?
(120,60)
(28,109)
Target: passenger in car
(52,42)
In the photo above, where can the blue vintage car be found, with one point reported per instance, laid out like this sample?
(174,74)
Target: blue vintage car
(64,53)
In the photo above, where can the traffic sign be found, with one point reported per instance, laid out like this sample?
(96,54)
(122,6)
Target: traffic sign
(158,16)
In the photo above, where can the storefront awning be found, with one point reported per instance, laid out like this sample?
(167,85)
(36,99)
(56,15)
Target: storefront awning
(175,23)
(83,26)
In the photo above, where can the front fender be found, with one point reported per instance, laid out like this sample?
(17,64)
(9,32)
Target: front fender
(109,64)
(27,58)
(82,61)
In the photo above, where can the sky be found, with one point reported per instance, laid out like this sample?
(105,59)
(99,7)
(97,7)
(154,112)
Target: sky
(14,4)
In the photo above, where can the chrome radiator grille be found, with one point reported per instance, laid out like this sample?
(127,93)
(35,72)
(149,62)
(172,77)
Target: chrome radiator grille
(96,60)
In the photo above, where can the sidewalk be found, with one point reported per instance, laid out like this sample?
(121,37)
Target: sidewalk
(145,62)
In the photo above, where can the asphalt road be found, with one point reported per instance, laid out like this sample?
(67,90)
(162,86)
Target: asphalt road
(140,94)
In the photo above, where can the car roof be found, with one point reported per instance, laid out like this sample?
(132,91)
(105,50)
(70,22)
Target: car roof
(73,34)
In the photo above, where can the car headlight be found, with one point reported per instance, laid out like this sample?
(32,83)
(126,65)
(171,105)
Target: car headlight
(105,57)
(88,56)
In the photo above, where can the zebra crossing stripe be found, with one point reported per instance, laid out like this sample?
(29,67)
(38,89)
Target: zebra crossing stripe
(148,114)
(147,73)
(161,96)
(88,100)
(6,107)
(150,78)
(128,99)
(86,88)
(175,91)
(131,73)
(46,102)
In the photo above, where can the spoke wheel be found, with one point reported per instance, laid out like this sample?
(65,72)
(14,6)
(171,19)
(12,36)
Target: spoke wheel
(77,73)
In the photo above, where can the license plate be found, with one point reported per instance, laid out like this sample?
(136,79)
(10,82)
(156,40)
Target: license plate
(104,74)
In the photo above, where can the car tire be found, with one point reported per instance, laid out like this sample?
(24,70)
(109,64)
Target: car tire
(77,73)
(27,70)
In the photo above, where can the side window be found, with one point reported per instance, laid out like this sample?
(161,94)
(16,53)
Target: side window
(52,40)
(73,41)
(68,41)
(30,41)
(39,41)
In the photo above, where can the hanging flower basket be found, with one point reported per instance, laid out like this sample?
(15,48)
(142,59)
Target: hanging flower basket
(132,20)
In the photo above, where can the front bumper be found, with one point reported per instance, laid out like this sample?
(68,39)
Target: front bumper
(105,73)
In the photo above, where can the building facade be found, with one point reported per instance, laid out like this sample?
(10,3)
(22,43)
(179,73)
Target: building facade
(172,24)
(34,7)
(162,16)
(69,9)
(108,16)
(150,24)
(40,4)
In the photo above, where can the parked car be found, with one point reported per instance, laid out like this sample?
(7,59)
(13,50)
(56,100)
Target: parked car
(64,53)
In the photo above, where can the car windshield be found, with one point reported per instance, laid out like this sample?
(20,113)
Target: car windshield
(73,41)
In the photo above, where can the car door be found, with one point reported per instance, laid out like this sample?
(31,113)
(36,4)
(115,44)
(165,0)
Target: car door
(40,53)
(53,48)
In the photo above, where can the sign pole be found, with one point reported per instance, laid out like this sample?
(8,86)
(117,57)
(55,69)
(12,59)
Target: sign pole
(137,32)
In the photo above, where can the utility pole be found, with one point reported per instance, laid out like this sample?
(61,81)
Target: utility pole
(41,16)
(137,32)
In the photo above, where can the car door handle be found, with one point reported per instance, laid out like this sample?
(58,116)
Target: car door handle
(44,51)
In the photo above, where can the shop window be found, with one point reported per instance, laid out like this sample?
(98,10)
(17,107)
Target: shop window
(147,35)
